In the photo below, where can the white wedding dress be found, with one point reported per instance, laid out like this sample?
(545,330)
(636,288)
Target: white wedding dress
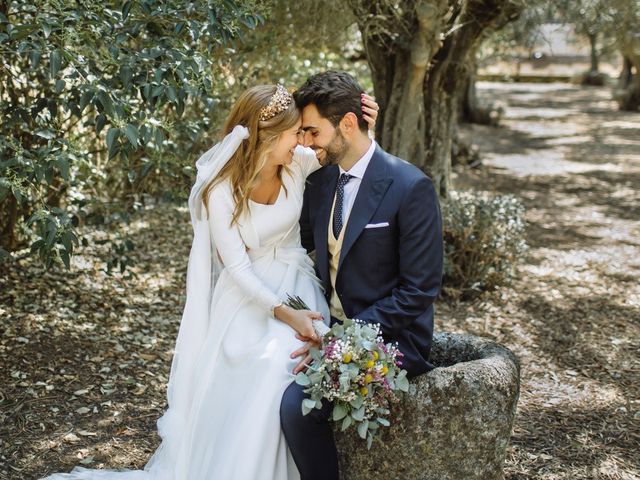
(223,420)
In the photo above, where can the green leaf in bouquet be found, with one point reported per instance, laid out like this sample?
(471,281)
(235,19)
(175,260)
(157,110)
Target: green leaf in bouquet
(316,354)
(346,423)
(369,345)
(315,377)
(337,330)
(369,441)
(345,381)
(353,370)
(403,385)
(358,414)
(339,411)
(363,428)
(383,421)
(357,402)
(302,379)
(401,381)
(368,332)
(308,404)
(317,396)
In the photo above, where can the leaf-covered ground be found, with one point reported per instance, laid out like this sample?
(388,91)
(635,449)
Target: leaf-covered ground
(84,357)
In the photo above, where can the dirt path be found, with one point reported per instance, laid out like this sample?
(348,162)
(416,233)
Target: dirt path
(573,315)
(84,357)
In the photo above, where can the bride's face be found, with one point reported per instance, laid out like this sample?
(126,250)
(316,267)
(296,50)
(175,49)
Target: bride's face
(282,153)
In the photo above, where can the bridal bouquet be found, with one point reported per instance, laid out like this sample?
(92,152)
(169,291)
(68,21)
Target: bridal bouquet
(358,372)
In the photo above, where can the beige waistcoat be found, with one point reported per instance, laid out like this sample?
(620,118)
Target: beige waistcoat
(335,247)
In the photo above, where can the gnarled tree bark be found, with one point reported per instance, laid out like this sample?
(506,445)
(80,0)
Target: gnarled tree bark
(420,52)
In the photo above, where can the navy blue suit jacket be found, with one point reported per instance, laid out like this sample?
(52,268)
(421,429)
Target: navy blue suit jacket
(389,275)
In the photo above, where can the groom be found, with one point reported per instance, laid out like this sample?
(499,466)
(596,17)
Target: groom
(374,223)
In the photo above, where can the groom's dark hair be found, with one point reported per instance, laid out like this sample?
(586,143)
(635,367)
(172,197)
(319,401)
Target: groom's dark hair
(334,94)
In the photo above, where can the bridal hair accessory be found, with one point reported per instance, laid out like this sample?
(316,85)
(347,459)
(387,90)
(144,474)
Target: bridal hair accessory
(278,103)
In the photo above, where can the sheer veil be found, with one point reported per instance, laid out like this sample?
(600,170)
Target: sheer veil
(202,272)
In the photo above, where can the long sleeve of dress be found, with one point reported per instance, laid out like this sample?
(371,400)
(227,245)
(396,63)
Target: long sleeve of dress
(232,248)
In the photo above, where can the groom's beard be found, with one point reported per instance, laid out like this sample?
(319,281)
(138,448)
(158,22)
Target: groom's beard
(336,149)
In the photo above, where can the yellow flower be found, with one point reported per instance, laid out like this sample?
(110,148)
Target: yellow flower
(385,369)
(375,355)
(346,358)
(368,378)
(364,391)
(370,363)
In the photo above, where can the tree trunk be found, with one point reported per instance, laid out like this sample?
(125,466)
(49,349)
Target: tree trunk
(626,74)
(628,97)
(593,42)
(419,64)
(56,191)
(8,236)
(593,76)
(470,109)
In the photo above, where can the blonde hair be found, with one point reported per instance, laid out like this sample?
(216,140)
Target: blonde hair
(251,156)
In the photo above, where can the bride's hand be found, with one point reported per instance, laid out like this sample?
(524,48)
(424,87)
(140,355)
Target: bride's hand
(300,320)
(370,110)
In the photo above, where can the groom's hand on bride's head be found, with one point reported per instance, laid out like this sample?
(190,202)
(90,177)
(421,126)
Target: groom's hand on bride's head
(370,110)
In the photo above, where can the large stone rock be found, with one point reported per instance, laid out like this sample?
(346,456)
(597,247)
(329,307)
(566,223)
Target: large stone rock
(457,424)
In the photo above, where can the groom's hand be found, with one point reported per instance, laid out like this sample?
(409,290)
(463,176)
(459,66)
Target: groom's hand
(304,352)
(369,110)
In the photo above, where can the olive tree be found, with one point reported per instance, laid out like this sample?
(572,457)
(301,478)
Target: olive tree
(93,98)
(626,25)
(419,52)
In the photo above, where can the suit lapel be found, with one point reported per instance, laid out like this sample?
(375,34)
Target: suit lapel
(327,191)
(373,187)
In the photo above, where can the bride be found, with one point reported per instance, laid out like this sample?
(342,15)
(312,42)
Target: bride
(232,358)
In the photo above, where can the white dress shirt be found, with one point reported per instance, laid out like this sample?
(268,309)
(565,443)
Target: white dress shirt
(352,187)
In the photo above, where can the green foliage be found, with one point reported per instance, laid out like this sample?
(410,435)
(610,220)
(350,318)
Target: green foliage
(106,106)
(93,97)
(484,239)
(298,40)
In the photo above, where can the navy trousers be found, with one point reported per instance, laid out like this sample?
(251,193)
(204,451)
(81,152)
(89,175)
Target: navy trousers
(310,437)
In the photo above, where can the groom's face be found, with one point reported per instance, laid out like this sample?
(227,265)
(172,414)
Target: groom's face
(320,134)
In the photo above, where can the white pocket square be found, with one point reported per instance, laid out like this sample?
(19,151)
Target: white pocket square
(377,225)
